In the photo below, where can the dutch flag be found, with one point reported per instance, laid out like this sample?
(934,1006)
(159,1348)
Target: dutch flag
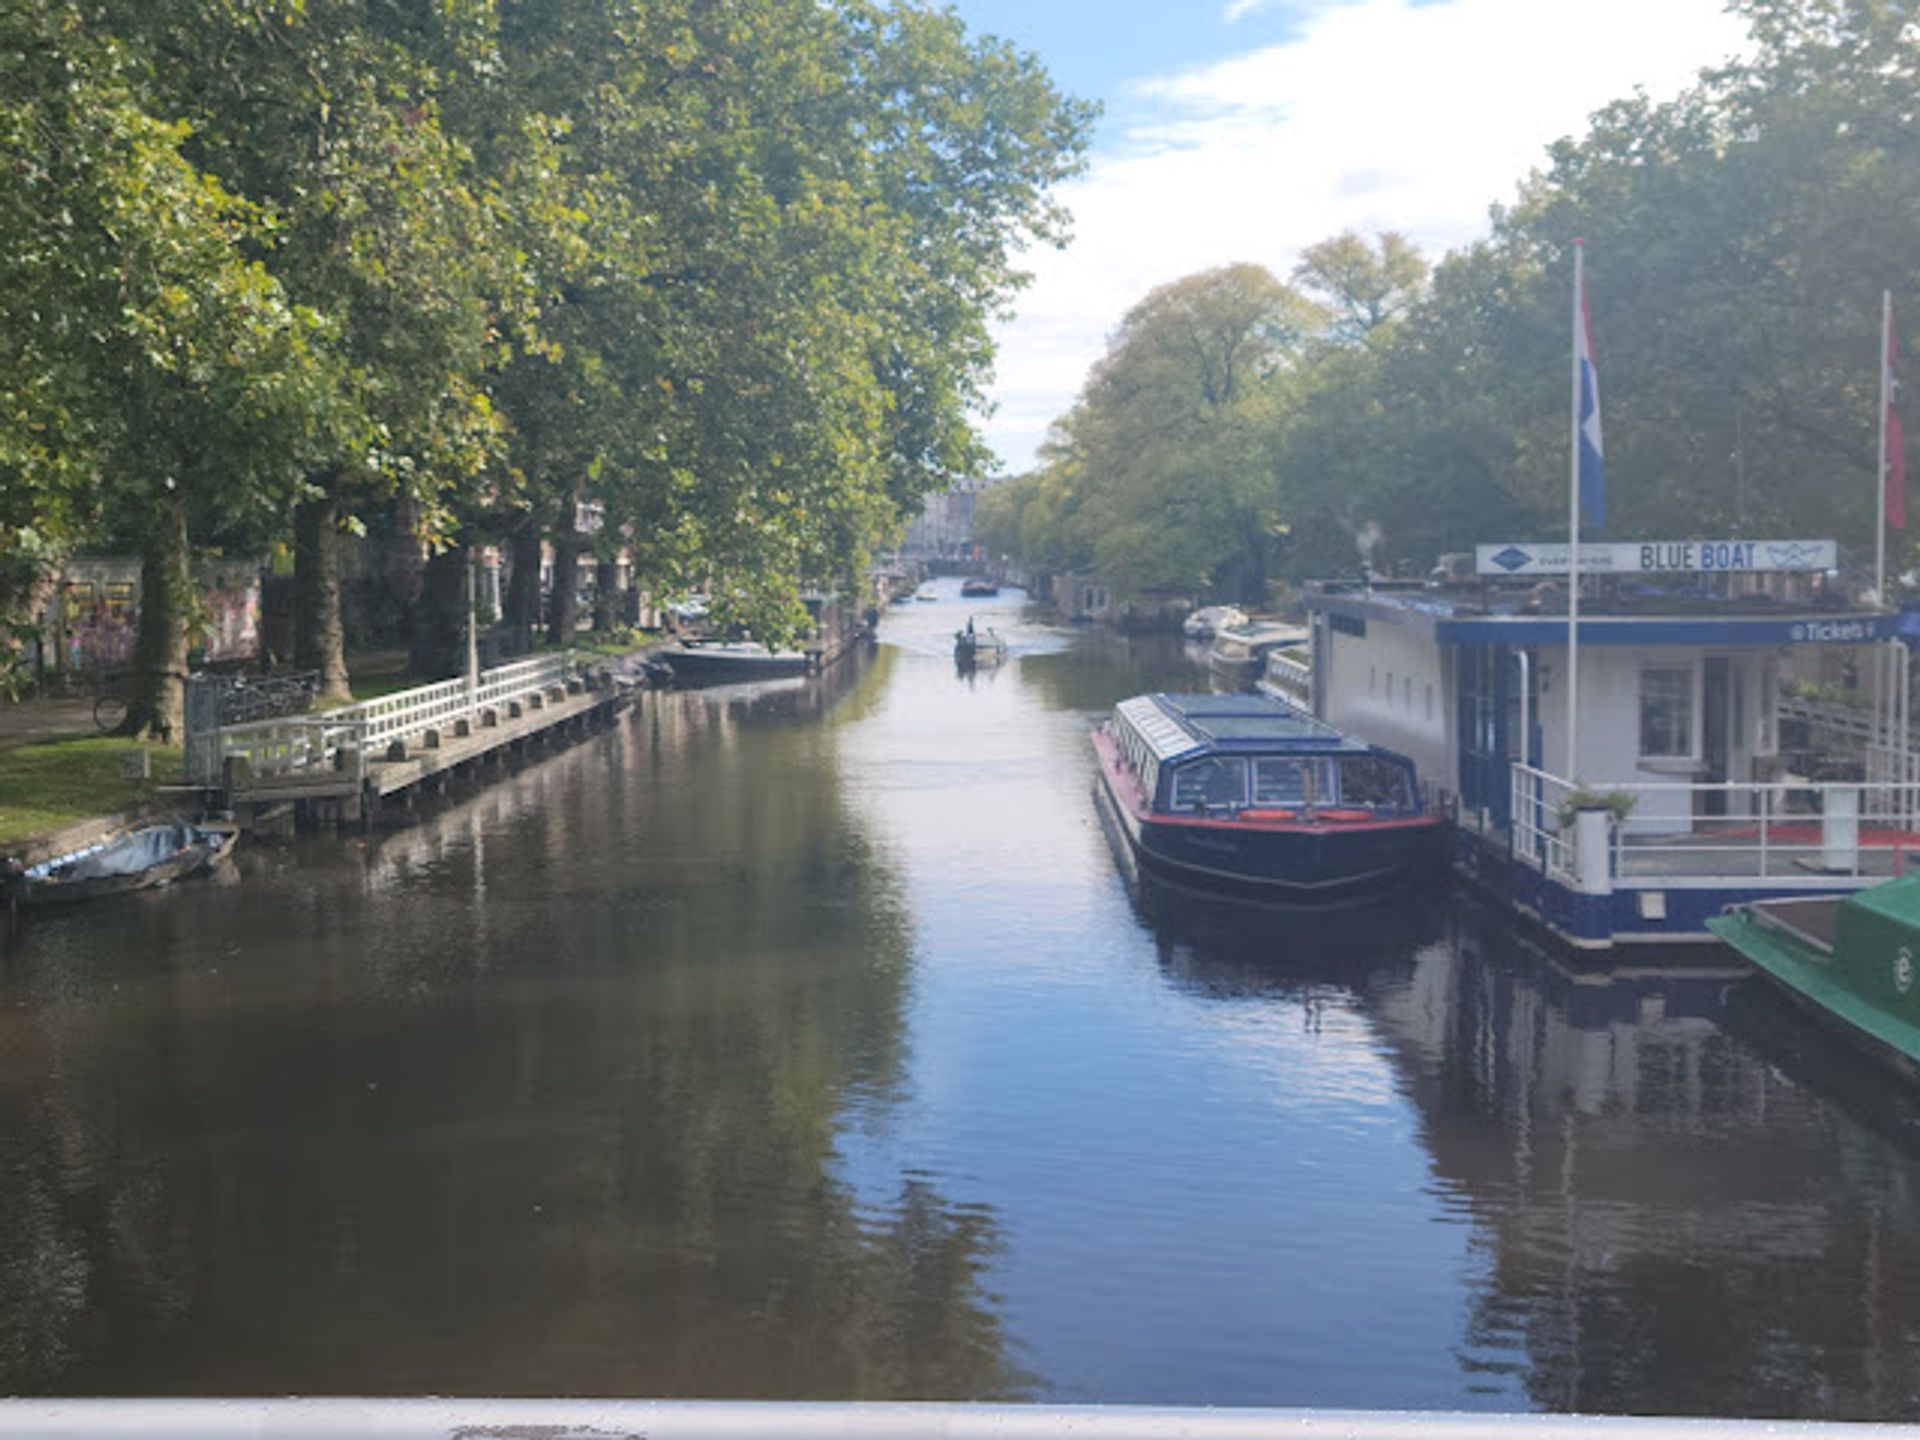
(1593,470)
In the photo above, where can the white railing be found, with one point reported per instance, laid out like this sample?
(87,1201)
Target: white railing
(1680,831)
(1290,679)
(349,736)
(437,1419)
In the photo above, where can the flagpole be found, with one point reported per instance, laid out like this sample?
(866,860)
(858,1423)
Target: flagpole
(1880,510)
(1573,532)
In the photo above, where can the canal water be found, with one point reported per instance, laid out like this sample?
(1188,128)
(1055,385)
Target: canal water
(805,1041)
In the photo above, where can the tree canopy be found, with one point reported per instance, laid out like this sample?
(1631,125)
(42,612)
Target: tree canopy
(1738,238)
(721,272)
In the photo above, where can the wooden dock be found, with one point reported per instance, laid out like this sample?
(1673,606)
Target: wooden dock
(346,766)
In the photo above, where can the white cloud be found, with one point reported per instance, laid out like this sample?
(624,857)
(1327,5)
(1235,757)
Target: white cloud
(1238,10)
(1379,114)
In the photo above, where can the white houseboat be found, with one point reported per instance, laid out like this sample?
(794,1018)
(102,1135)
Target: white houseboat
(1697,772)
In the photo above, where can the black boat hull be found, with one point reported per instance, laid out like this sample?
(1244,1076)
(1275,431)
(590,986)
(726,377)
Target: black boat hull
(1304,864)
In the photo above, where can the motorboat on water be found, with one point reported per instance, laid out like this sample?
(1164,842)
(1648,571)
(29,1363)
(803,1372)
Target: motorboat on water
(1848,960)
(1239,652)
(978,586)
(1205,623)
(140,859)
(1250,795)
(975,647)
(704,662)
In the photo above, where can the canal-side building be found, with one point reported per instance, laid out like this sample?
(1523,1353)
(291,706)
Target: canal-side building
(1689,777)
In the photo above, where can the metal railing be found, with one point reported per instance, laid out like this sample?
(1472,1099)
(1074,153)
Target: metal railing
(1731,830)
(347,737)
(381,1419)
(1290,679)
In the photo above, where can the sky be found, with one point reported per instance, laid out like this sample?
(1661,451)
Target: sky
(1244,130)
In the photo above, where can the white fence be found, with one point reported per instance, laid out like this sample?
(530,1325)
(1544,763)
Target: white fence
(344,738)
(1774,830)
(425,1419)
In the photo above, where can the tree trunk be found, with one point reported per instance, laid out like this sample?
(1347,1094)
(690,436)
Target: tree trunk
(606,596)
(522,602)
(563,608)
(158,708)
(319,639)
(438,649)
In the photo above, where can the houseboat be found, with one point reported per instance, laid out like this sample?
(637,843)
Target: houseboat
(1239,652)
(1245,794)
(1741,728)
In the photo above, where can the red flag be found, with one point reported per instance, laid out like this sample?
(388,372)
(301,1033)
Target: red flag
(1896,440)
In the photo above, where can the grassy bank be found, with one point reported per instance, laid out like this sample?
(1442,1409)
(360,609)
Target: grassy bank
(53,783)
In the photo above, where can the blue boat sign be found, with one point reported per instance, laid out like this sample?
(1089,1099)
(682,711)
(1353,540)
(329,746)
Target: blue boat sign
(1658,557)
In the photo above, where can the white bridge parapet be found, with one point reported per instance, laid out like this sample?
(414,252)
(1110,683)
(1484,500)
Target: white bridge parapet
(345,739)
(436,1419)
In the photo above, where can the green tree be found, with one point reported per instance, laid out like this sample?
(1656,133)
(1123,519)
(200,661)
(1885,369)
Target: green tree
(153,358)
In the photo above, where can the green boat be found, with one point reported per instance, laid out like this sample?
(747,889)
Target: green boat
(1852,960)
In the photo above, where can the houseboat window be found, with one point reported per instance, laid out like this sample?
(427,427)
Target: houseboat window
(1376,781)
(1666,712)
(1287,781)
(1212,782)
(1406,692)
(1373,680)
(1429,714)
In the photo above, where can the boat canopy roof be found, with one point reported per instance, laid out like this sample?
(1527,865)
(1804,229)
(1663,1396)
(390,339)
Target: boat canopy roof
(1177,725)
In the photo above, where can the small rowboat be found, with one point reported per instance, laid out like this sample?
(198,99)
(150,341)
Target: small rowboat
(139,859)
(978,647)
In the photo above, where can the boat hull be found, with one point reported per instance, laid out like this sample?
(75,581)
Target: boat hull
(210,846)
(1822,990)
(1299,862)
(712,667)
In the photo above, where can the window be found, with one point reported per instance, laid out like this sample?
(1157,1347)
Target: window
(1215,782)
(1666,712)
(1374,780)
(1406,693)
(1429,714)
(1284,781)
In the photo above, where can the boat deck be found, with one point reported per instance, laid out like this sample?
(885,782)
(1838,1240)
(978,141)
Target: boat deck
(1813,920)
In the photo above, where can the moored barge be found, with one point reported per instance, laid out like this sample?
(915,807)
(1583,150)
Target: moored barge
(1246,794)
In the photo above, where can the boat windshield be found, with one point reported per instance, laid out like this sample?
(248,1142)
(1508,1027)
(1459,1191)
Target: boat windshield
(1291,780)
(1210,783)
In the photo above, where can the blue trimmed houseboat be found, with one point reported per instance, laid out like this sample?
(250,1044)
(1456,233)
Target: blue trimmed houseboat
(1246,794)
(1741,733)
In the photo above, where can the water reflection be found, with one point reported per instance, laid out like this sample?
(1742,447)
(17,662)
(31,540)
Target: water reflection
(538,1095)
(1672,1223)
(804,1040)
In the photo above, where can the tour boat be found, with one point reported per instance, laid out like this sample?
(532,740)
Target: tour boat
(1848,960)
(976,586)
(140,859)
(1248,794)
